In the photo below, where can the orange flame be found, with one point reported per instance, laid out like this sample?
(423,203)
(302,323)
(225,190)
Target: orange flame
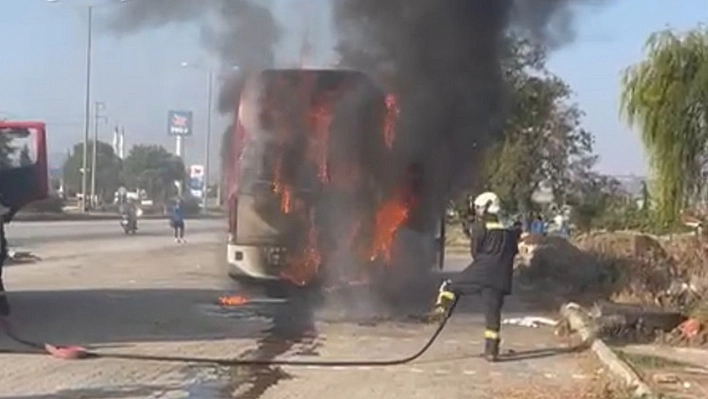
(320,122)
(280,188)
(389,218)
(392,113)
(232,300)
(303,268)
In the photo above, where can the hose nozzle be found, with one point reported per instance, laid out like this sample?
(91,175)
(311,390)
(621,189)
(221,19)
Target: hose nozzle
(443,302)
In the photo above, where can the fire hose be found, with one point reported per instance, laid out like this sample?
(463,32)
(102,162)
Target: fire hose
(76,352)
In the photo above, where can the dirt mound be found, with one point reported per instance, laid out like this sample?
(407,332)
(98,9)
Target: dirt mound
(624,266)
(566,268)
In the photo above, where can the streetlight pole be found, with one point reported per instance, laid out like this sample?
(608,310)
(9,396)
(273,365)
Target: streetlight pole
(87,111)
(207,144)
(94,150)
(87,107)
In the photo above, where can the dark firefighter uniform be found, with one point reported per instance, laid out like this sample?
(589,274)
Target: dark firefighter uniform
(493,248)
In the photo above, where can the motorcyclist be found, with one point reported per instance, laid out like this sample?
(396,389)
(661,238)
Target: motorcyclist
(493,246)
(131,213)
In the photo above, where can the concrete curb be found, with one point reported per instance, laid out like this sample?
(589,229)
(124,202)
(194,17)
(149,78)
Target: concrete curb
(581,322)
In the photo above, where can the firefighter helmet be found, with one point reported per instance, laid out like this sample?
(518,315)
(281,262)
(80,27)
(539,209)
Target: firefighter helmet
(487,203)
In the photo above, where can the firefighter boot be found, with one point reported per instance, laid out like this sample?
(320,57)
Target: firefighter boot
(443,302)
(491,346)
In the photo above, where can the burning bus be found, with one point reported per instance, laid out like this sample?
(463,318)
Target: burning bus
(312,183)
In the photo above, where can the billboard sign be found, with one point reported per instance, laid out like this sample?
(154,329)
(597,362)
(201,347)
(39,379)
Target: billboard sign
(196,181)
(179,123)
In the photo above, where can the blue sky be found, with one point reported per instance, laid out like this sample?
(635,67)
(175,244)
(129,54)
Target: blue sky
(139,76)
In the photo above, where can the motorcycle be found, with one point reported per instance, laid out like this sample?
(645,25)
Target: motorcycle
(130,225)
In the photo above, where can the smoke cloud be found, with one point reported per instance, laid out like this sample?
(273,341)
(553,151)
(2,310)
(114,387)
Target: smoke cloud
(443,59)
(241,33)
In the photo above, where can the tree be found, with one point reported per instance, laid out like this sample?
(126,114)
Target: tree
(108,168)
(666,96)
(154,169)
(543,139)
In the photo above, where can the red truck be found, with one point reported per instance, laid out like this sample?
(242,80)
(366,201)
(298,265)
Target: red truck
(23,163)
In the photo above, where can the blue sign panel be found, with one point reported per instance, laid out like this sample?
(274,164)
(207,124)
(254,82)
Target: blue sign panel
(179,123)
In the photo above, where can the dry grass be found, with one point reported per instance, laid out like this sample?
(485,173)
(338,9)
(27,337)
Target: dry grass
(599,385)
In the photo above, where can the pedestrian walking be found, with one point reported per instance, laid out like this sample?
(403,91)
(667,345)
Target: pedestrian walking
(177,221)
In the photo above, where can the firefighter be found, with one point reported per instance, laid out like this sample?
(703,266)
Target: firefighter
(493,246)
(469,218)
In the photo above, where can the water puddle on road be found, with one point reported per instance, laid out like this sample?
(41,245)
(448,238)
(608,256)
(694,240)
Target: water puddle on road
(291,332)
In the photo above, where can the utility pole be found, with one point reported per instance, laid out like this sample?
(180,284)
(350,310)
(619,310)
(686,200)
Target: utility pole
(87,111)
(207,143)
(94,156)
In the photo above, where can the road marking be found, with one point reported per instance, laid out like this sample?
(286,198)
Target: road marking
(441,372)
(495,374)
(451,342)
(469,372)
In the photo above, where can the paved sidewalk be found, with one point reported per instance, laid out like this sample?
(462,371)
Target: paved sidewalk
(535,364)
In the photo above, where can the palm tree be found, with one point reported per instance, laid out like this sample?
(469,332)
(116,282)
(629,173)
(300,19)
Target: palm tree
(666,96)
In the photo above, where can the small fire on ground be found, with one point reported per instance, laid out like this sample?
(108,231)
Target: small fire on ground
(232,300)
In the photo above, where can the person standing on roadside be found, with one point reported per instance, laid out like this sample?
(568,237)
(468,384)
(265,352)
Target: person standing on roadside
(538,226)
(6,215)
(177,221)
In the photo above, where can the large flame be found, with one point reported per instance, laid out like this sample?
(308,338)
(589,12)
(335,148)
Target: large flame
(392,114)
(320,122)
(280,187)
(371,234)
(302,268)
(389,218)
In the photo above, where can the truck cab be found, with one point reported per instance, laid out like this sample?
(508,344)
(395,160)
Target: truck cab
(23,163)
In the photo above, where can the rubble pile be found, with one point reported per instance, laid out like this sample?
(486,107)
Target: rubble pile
(625,267)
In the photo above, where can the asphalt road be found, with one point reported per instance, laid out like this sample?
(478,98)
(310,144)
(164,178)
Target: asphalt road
(32,233)
(159,299)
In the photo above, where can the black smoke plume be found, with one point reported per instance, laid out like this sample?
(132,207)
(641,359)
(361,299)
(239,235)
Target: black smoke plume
(241,33)
(443,59)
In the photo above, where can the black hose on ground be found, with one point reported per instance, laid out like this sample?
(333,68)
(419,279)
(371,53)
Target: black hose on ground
(79,353)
